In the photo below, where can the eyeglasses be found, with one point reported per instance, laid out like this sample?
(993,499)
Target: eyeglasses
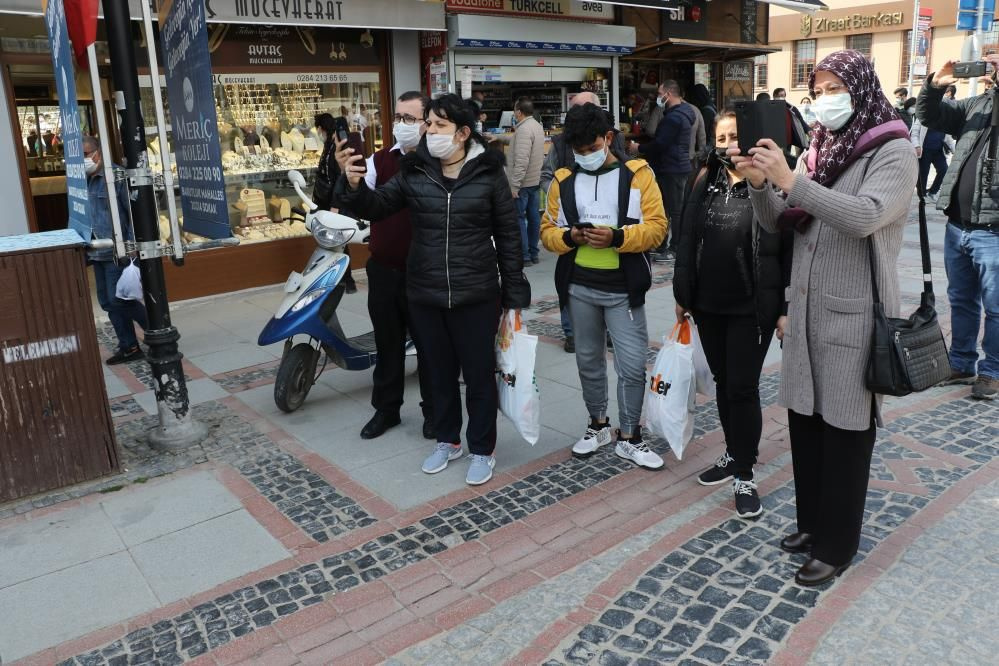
(407,119)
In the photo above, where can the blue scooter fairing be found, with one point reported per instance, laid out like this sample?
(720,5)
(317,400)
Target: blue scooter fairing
(309,320)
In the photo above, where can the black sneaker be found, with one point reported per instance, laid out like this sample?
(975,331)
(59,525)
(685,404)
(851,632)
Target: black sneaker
(720,472)
(747,501)
(570,345)
(127,356)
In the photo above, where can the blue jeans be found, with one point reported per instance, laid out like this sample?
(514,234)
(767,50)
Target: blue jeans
(938,161)
(972,262)
(566,321)
(529,210)
(123,314)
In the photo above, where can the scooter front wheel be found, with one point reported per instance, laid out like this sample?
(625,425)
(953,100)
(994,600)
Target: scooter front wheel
(295,377)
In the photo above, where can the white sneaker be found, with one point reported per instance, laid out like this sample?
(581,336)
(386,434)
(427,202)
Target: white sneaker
(638,452)
(596,435)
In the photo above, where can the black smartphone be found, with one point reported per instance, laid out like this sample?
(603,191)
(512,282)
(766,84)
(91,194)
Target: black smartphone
(584,225)
(354,139)
(970,70)
(761,120)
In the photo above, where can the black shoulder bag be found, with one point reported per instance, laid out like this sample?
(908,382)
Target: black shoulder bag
(907,355)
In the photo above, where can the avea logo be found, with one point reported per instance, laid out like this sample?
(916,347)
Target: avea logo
(658,385)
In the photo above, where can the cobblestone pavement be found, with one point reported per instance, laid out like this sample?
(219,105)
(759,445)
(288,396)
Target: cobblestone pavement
(559,560)
(937,605)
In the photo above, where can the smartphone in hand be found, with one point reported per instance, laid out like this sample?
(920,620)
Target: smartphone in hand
(761,120)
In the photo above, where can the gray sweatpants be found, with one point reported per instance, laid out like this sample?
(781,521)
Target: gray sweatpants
(593,313)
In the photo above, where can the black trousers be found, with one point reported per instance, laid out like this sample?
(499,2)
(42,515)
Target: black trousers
(390,317)
(831,470)
(735,351)
(938,161)
(673,187)
(461,341)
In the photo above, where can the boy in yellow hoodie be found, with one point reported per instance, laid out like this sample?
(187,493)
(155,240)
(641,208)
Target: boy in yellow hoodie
(603,217)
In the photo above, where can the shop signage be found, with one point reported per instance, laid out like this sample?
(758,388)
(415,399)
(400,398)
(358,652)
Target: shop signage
(741,70)
(72,140)
(400,14)
(563,47)
(317,77)
(575,9)
(433,62)
(824,25)
(196,144)
(288,46)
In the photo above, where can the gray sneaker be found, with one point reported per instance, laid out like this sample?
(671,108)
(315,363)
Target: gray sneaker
(986,388)
(442,455)
(480,470)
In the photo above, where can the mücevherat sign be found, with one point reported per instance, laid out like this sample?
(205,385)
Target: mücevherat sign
(399,14)
(575,9)
(292,46)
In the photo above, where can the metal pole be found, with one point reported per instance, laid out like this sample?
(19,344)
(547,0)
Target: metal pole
(912,44)
(104,138)
(973,83)
(176,429)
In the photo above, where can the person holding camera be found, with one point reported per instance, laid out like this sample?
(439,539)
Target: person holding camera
(465,262)
(971,246)
(848,202)
(731,275)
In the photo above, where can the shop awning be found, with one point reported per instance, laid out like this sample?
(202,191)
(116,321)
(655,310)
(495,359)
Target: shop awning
(807,6)
(690,50)
(493,33)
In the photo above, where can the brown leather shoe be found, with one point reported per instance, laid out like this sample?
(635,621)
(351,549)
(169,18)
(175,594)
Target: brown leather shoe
(799,542)
(816,572)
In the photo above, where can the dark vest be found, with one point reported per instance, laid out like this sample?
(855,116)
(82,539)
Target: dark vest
(390,237)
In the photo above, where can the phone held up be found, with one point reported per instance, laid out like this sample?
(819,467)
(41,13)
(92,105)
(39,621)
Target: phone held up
(971,69)
(354,139)
(761,120)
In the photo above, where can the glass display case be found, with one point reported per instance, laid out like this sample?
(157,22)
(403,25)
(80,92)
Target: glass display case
(266,128)
(40,124)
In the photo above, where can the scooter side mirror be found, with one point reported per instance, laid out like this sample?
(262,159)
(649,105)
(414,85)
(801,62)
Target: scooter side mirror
(296,178)
(298,182)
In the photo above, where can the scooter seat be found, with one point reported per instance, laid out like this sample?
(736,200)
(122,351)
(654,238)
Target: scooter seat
(363,343)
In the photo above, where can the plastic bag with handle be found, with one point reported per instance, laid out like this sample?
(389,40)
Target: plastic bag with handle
(671,390)
(129,287)
(519,398)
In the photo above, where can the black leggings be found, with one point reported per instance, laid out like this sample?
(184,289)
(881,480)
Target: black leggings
(735,350)
(831,470)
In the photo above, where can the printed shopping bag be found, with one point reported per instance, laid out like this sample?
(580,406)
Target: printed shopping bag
(519,398)
(129,287)
(670,393)
(705,380)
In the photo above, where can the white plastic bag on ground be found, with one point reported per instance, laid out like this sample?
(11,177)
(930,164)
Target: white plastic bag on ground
(671,391)
(129,287)
(519,398)
(705,380)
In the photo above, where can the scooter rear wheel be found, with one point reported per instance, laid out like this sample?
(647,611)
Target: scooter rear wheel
(295,377)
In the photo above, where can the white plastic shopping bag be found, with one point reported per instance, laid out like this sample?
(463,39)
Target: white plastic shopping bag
(129,287)
(671,391)
(705,380)
(519,398)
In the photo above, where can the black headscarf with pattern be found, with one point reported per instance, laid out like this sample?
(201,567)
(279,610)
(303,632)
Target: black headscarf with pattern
(871,108)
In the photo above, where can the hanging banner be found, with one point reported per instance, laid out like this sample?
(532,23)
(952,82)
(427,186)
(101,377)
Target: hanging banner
(192,109)
(69,112)
(81,20)
(921,60)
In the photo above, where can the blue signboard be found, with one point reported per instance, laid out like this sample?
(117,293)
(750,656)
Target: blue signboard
(192,117)
(69,111)
(966,20)
(972,6)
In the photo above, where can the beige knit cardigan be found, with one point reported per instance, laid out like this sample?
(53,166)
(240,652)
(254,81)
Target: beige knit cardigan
(827,338)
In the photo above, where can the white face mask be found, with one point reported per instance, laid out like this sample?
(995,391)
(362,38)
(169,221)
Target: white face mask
(89,166)
(442,146)
(833,111)
(407,135)
(660,102)
(592,161)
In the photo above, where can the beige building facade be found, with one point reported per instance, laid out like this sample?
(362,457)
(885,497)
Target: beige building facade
(880,30)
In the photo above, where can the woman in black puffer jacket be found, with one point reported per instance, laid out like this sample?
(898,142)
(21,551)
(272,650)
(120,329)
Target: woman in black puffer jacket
(465,263)
(730,275)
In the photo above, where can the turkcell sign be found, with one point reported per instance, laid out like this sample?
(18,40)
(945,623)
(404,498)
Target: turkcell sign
(72,143)
(192,116)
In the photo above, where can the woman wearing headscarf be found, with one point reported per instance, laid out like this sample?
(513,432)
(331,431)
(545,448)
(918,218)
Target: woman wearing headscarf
(847,202)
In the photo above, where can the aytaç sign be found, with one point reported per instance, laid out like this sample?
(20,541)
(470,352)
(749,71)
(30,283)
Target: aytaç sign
(69,112)
(196,144)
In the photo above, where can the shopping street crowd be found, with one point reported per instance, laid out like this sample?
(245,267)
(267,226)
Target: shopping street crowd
(767,241)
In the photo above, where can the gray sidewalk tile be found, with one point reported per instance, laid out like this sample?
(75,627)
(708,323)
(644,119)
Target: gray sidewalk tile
(40,547)
(115,387)
(47,611)
(200,557)
(324,411)
(238,356)
(145,513)
(199,391)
